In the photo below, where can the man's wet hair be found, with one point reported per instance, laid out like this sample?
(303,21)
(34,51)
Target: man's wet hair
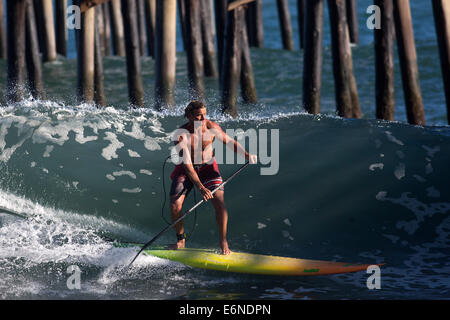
(192,106)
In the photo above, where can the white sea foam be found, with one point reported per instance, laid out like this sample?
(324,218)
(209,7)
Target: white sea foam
(428,168)
(24,132)
(393,139)
(51,123)
(399,171)
(133,154)
(420,209)
(145,171)
(286,234)
(400,154)
(378,143)
(374,166)
(433,192)
(110,151)
(134,190)
(48,149)
(124,173)
(431,151)
(419,178)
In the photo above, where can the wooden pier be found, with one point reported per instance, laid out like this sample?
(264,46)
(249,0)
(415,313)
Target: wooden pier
(218,36)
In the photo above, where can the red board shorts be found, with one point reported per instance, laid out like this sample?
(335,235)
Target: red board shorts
(208,174)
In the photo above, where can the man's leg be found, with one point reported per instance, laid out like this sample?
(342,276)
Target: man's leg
(180,187)
(176,204)
(222,219)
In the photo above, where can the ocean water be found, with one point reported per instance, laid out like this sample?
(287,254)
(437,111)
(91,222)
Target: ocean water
(73,177)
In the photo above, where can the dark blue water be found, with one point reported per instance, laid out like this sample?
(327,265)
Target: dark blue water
(363,191)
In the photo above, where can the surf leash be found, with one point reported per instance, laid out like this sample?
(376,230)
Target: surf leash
(186,213)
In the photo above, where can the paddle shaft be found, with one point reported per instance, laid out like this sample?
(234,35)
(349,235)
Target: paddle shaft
(186,213)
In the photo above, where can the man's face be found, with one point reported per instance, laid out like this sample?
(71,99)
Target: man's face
(198,115)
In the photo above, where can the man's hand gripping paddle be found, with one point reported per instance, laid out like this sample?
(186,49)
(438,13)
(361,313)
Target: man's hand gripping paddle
(186,213)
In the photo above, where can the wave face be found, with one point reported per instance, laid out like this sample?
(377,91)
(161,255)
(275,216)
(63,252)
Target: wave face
(349,190)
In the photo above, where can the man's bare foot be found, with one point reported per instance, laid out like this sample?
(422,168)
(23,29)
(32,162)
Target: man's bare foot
(224,247)
(178,245)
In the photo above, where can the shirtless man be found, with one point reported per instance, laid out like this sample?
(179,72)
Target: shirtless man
(199,169)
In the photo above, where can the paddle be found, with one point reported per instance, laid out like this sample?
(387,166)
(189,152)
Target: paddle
(186,213)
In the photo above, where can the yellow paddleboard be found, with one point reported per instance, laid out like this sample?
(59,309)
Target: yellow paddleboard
(252,263)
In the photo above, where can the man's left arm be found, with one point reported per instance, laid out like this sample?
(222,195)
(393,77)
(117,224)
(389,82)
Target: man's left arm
(232,143)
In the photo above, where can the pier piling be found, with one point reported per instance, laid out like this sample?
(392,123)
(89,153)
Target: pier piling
(86,63)
(33,59)
(133,53)
(49,52)
(100,29)
(441,9)
(2,32)
(99,89)
(209,50)
(61,32)
(117,28)
(254,22)
(40,22)
(231,67)
(140,12)
(150,18)
(352,20)
(384,62)
(165,53)
(107,29)
(258,28)
(338,20)
(248,89)
(312,61)
(301,22)
(220,7)
(16,50)
(408,62)
(194,50)
(285,24)
(182,16)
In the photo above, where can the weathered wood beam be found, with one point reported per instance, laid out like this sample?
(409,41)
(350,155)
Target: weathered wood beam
(238,3)
(86,4)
